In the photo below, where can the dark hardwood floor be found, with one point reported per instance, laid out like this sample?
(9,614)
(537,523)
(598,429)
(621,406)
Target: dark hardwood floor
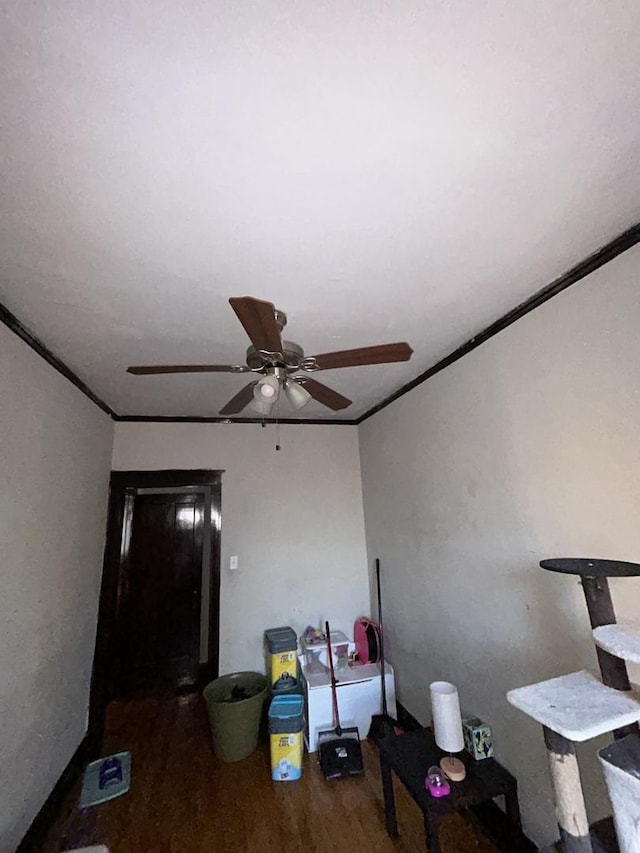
(183,800)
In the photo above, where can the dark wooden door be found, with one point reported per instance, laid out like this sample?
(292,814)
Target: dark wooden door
(161,593)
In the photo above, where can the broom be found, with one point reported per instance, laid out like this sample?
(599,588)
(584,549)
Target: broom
(382,724)
(340,753)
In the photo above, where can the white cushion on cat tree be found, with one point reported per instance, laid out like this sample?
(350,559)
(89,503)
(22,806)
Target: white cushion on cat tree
(622,640)
(577,706)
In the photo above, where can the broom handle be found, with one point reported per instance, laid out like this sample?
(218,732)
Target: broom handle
(384,686)
(334,694)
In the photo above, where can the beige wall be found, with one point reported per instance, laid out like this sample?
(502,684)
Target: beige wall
(55,448)
(294,518)
(527,448)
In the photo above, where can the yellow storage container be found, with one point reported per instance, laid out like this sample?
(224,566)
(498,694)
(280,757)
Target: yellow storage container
(282,646)
(286,725)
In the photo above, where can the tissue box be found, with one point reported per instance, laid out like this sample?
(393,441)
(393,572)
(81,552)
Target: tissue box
(477,738)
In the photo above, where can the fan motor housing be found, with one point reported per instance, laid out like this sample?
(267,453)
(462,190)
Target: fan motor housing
(290,358)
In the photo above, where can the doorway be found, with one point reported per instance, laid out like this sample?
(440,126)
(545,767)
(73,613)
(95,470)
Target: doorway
(158,623)
(159,601)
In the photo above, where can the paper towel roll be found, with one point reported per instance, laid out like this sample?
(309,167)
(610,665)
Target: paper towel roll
(447,722)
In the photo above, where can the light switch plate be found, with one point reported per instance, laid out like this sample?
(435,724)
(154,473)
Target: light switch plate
(233,563)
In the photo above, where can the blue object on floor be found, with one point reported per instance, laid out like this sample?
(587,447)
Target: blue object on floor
(106,779)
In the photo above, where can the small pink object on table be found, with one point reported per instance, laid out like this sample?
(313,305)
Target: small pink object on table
(436,783)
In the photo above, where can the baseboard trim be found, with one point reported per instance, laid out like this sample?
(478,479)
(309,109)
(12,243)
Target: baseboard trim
(406,720)
(602,835)
(36,834)
(207,672)
(499,829)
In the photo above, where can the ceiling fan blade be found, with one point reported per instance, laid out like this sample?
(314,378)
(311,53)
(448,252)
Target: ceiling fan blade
(141,370)
(259,321)
(383,354)
(236,404)
(325,395)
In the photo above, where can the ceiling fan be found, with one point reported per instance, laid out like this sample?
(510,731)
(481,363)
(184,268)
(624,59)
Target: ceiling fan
(280,363)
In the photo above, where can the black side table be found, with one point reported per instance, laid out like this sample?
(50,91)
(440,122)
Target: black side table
(410,755)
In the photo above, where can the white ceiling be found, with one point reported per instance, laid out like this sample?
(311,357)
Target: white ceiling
(380,171)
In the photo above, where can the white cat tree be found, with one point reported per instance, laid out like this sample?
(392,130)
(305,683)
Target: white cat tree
(578,707)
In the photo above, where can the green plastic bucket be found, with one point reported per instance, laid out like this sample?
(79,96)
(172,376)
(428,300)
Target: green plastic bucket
(234,704)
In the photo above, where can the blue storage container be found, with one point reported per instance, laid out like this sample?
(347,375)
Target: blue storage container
(286,725)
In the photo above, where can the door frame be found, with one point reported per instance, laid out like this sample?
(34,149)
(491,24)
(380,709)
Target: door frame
(122,489)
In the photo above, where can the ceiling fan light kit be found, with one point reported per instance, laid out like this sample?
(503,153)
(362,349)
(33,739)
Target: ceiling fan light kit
(267,389)
(262,407)
(266,393)
(296,394)
(282,364)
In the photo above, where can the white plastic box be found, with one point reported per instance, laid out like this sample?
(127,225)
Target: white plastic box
(359,692)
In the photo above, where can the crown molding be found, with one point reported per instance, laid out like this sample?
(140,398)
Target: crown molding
(12,322)
(160,419)
(599,258)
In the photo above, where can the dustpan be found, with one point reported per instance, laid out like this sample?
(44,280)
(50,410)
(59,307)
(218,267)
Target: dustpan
(339,750)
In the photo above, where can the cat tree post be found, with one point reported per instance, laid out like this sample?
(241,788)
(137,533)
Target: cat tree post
(578,707)
(595,576)
(572,709)
(571,813)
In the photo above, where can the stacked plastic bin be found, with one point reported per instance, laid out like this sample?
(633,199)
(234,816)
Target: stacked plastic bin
(282,655)
(286,710)
(286,732)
